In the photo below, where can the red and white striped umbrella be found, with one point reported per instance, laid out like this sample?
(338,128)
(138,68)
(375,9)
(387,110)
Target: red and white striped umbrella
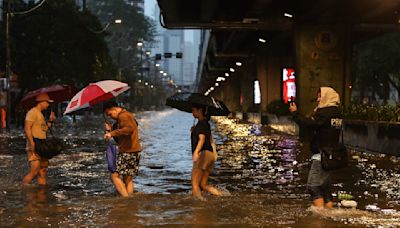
(95,93)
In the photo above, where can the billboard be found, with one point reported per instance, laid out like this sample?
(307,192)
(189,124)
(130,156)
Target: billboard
(289,84)
(257,92)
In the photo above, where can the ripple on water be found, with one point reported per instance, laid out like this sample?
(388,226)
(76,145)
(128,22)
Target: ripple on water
(265,175)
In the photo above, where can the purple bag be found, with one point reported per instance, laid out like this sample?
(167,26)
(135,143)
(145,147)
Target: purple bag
(111,156)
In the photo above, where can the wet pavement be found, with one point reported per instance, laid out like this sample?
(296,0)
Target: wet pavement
(264,171)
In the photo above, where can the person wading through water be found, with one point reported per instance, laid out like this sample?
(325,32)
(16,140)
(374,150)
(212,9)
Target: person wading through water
(36,127)
(204,153)
(322,134)
(129,148)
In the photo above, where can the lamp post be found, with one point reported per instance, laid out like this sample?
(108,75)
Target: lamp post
(139,44)
(8,66)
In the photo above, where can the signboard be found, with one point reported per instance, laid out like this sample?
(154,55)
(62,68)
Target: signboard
(257,92)
(289,84)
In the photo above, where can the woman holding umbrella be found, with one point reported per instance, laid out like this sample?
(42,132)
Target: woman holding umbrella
(204,153)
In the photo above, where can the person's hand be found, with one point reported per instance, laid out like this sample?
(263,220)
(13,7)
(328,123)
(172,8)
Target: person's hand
(107,126)
(52,116)
(292,107)
(215,155)
(107,136)
(195,157)
(31,146)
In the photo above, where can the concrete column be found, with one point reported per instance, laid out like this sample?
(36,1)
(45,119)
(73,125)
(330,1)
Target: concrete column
(323,58)
(218,93)
(246,79)
(269,76)
(231,94)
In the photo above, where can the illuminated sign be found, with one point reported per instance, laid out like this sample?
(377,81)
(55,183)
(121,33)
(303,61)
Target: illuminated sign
(289,84)
(257,93)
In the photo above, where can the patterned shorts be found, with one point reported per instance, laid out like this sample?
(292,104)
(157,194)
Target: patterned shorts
(128,163)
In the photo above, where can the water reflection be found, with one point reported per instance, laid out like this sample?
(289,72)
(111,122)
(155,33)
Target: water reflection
(265,175)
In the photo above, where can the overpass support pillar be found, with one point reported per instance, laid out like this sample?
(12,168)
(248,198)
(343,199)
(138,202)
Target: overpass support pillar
(269,76)
(323,58)
(246,79)
(218,93)
(231,94)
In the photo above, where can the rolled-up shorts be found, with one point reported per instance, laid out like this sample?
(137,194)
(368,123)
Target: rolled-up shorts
(33,156)
(319,182)
(128,163)
(205,162)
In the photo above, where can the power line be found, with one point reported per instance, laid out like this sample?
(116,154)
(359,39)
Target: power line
(30,10)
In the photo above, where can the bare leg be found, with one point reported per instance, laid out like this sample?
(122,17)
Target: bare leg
(196,178)
(209,188)
(119,184)
(329,205)
(318,202)
(33,172)
(129,184)
(42,176)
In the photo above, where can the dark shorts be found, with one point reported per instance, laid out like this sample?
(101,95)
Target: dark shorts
(128,164)
(319,182)
(205,162)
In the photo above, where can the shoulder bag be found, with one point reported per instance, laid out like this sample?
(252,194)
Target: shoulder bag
(334,157)
(49,147)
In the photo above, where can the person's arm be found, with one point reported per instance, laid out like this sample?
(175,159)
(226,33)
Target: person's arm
(126,127)
(196,153)
(305,121)
(51,119)
(214,147)
(29,136)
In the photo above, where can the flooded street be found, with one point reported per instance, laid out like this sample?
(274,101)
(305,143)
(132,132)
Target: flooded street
(265,175)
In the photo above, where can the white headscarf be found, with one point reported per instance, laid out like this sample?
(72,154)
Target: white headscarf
(329,98)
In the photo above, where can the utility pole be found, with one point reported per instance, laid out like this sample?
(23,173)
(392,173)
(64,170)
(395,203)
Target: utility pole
(8,64)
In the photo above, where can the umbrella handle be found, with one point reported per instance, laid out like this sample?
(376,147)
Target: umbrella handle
(105,118)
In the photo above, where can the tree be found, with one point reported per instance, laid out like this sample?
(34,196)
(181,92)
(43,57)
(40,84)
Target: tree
(122,38)
(377,65)
(56,44)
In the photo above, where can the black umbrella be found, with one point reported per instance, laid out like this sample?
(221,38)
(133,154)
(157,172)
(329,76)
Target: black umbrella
(184,102)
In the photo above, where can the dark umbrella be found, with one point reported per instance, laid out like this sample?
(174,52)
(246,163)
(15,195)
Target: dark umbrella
(58,93)
(184,102)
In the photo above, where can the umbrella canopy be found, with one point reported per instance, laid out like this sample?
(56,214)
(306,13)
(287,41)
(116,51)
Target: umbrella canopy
(95,93)
(184,102)
(58,93)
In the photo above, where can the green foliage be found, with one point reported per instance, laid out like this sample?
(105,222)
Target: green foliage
(377,60)
(53,44)
(122,38)
(278,107)
(372,113)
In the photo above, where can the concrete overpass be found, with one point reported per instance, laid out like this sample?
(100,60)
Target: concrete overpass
(313,37)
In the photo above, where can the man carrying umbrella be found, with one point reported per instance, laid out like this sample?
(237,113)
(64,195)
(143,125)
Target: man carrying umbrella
(128,144)
(36,127)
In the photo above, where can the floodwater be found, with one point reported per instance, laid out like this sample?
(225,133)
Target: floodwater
(265,176)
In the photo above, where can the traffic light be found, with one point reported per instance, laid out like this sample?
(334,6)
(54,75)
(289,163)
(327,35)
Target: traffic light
(178,55)
(167,55)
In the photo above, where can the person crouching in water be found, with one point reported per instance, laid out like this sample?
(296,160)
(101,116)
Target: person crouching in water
(323,134)
(129,148)
(204,153)
(37,127)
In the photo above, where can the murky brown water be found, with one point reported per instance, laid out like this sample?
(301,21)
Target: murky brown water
(265,175)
